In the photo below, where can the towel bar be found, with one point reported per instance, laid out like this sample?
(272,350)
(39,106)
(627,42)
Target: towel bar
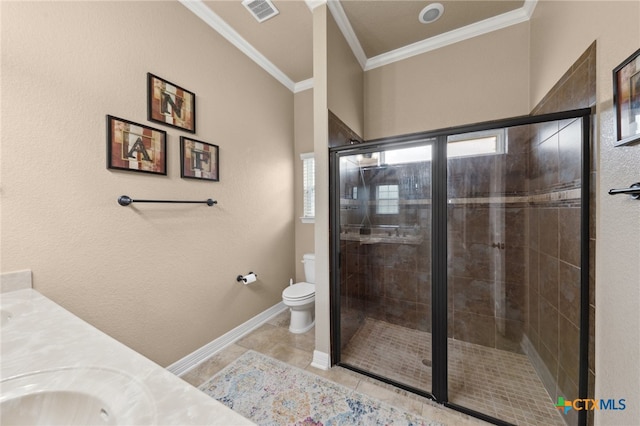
(125,200)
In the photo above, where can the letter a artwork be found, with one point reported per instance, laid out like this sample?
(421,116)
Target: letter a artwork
(138,147)
(135,147)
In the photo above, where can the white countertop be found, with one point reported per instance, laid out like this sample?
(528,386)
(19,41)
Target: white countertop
(41,339)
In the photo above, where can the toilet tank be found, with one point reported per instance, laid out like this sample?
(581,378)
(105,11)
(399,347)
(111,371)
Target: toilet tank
(309,261)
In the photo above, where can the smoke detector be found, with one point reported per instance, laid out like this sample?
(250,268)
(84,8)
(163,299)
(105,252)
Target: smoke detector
(261,9)
(431,13)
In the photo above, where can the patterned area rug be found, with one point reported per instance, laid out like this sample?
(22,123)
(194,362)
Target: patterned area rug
(270,392)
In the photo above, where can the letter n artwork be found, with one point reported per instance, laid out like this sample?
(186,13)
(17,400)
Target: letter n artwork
(135,147)
(170,104)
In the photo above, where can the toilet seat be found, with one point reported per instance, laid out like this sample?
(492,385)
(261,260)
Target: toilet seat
(300,299)
(299,291)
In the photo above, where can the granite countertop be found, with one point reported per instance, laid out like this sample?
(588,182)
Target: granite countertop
(43,342)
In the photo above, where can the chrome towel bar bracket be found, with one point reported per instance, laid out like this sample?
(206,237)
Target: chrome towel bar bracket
(125,200)
(633,190)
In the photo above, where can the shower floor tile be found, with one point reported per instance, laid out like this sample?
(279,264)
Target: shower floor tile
(498,383)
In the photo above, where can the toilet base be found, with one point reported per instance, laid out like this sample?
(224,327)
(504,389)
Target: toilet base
(302,320)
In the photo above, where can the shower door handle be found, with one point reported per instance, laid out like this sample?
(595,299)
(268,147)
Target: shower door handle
(633,190)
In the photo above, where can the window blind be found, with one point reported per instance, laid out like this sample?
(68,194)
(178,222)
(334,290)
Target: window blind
(309,185)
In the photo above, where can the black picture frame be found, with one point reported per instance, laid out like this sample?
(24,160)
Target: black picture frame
(170,104)
(199,160)
(135,147)
(626,100)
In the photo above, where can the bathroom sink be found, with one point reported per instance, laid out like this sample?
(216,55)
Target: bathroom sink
(76,396)
(56,408)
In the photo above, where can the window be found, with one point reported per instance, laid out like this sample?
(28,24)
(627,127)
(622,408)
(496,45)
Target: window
(308,187)
(407,155)
(477,143)
(387,196)
(463,145)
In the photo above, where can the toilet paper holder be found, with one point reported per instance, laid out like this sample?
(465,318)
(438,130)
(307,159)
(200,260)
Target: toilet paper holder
(241,278)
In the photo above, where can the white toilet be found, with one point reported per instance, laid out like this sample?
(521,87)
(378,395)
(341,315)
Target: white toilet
(300,298)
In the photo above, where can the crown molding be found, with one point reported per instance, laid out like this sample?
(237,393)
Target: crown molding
(474,30)
(347,31)
(529,6)
(225,30)
(312,4)
(303,85)
(499,22)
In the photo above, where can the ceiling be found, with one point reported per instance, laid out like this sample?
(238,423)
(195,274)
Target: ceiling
(378,31)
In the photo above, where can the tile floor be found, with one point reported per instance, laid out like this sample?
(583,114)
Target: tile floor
(498,383)
(274,339)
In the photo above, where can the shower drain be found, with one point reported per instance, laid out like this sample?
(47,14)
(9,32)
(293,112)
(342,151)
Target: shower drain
(426,362)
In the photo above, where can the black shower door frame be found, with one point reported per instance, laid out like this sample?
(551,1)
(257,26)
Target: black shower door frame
(439,261)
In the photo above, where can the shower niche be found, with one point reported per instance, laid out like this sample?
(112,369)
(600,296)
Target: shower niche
(458,256)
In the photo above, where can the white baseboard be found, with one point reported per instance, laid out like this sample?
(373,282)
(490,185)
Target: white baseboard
(185,364)
(321,360)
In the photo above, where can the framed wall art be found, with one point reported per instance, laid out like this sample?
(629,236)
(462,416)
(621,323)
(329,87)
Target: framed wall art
(626,100)
(170,104)
(199,160)
(135,147)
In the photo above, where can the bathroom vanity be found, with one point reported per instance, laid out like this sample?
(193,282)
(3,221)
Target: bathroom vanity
(57,369)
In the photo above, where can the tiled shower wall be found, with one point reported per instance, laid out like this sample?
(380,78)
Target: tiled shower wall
(486,223)
(554,269)
(554,226)
(387,281)
(487,287)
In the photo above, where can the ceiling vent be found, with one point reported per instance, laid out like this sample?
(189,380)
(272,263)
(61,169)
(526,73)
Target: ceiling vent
(261,9)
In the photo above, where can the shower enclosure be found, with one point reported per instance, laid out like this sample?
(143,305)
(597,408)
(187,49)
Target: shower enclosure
(459,265)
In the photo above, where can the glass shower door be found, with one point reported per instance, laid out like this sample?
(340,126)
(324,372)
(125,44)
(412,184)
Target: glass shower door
(482,322)
(385,262)
(460,265)
(514,241)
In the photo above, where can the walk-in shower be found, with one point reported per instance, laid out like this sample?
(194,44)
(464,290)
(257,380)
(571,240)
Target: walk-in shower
(459,264)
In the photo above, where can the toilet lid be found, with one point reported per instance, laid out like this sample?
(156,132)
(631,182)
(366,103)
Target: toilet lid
(299,291)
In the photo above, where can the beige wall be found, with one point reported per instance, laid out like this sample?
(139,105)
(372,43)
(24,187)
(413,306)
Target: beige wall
(320,138)
(560,32)
(338,85)
(159,278)
(303,131)
(451,86)
(345,79)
